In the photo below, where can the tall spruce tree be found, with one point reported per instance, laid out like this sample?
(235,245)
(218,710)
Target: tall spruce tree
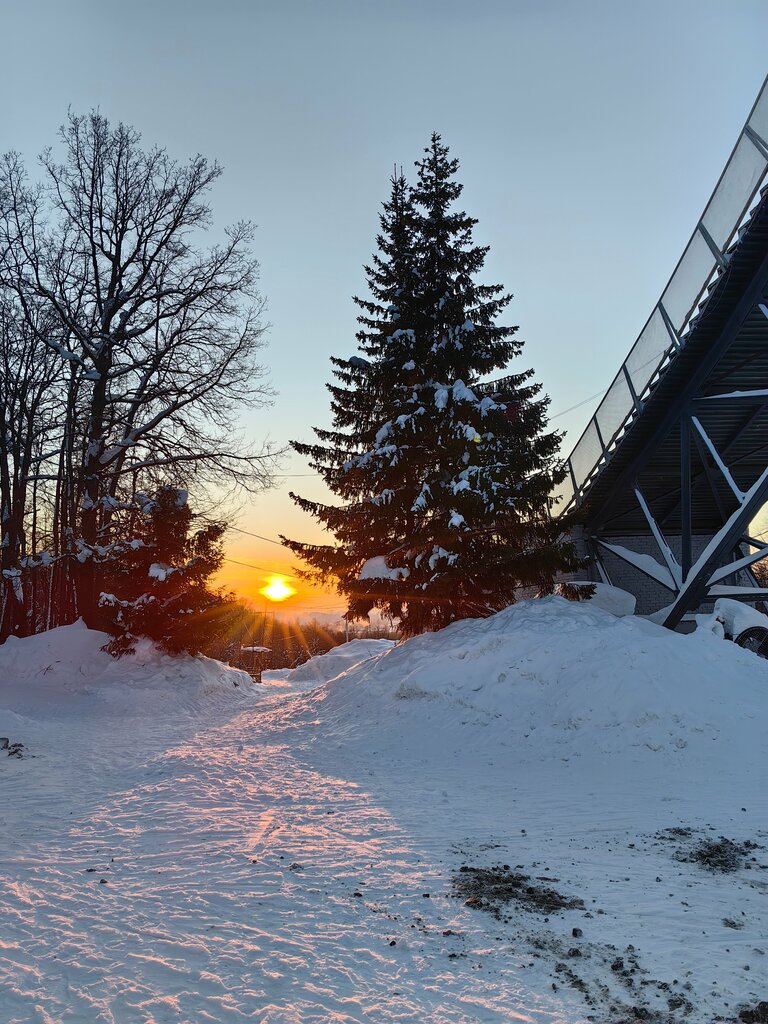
(445,480)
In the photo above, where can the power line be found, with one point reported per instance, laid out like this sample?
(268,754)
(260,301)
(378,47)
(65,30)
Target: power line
(578,405)
(286,476)
(262,568)
(269,540)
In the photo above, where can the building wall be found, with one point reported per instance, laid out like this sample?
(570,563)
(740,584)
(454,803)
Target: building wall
(650,595)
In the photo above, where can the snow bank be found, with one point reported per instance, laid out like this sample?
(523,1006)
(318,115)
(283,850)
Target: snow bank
(609,598)
(552,679)
(327,666)
(70,660)
(62,678)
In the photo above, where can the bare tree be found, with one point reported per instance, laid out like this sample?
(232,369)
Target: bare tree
(154,336)
(28,411)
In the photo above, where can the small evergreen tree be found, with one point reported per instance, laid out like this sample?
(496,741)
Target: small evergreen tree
(446,480)
(156,584)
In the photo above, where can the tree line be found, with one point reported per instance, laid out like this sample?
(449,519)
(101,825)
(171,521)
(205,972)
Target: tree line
(128,346)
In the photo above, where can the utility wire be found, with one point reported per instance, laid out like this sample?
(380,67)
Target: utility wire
(578,405)
(553,416)
(286,476)
(257,535)
(262,568)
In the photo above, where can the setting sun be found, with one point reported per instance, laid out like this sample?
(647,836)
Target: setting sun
(277,589)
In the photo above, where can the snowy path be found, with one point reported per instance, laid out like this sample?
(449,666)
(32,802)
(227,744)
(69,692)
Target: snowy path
(232,869)
(231,874)
(268,858)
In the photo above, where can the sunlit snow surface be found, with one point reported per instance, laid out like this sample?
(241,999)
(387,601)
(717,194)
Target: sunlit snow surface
(234,826)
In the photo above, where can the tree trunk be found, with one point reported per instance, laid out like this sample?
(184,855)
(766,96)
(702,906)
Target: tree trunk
(93,472)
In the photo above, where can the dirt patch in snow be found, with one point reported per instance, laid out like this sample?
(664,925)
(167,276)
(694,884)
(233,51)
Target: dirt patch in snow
(721,855)
(11,749)
(678,832)
(494,888)
(754,1014)
(614,984)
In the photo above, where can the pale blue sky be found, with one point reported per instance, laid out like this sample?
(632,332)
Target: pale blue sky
(590,135)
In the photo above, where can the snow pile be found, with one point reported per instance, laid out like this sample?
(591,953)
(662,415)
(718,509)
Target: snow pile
(70,660)
(327,666)
(152,811)
(552,679)
(736,617)
(610,599)
(56,685)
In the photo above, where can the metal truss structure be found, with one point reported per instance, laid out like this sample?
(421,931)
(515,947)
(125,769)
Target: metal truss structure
(687,464)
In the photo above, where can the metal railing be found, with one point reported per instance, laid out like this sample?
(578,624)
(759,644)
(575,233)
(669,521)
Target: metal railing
(665,331)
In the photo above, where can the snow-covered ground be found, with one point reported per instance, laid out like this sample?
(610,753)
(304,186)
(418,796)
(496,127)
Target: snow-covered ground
(326,666)
(179,844)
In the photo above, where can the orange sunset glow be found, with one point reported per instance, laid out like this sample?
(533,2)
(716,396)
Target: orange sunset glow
(277,589)
(254,555)
(249,569)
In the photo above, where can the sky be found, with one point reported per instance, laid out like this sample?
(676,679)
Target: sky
(590,136)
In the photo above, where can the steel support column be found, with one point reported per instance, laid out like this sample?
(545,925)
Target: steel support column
(695,587)
(685,495)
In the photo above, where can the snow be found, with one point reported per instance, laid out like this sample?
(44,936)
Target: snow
(710,623)
(461,393)
(439,554)
(586,683)
(717,459)
(283,854)
(609,598)
(754,393)
(64,672)
(736,617)
(323,667)
(377,568)
(384,498)
(645,563)
(382,434)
